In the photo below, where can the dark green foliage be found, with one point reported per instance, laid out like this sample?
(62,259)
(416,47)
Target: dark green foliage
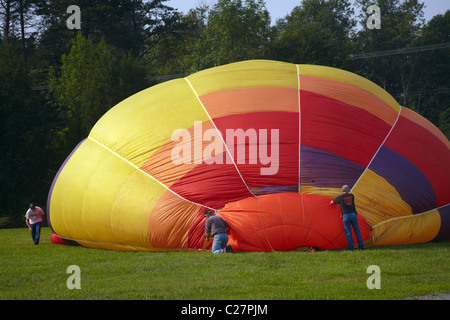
(25,148)
(316,32)
(92,80)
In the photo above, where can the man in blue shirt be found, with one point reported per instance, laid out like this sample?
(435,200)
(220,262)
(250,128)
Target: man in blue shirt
(348,215)
(216,226)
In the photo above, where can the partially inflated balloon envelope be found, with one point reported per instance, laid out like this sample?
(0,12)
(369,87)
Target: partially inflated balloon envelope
(266,144)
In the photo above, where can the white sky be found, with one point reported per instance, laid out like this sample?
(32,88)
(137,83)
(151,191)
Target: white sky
(281,8)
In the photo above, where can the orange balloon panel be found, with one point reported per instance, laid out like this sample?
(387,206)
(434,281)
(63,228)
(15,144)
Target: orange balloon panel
(286,221)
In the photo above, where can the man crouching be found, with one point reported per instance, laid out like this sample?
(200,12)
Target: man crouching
(216,226)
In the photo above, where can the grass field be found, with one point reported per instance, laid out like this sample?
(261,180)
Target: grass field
(40,272)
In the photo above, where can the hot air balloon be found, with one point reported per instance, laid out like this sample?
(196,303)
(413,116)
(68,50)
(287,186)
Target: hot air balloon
(266,145)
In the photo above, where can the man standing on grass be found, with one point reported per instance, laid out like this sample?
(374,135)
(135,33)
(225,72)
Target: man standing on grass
(34,219)
(348,215)
(216,226)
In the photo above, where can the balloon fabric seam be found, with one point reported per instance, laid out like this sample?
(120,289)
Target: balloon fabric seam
(226,147)
(381,145)
(145,173)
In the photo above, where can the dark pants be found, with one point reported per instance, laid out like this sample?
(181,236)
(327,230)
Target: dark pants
(36,231)
(350,220)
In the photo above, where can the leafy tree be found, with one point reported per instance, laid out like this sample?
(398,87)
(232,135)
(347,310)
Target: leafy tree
(16,17)
(444,122)
(237,30)
(25,152)
(127,25)
(316,32)
(230,31)
(417,79)
(92,80)
(171,52)
(401,22)
(430,93)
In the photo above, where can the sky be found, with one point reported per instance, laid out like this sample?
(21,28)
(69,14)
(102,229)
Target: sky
(281,8)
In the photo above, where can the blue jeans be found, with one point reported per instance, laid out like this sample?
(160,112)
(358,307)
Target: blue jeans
(36,231)
(220,243)
(350,220)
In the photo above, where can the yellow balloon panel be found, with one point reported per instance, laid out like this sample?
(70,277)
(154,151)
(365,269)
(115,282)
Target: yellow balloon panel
(68,192)
(141,124)
(377,200)
(107,200)
(320,191)
(419,228)
(247,74)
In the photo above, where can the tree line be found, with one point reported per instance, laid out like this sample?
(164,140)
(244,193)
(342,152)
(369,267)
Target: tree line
(56,82)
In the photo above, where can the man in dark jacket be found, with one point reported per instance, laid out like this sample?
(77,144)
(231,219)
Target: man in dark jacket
(348,215)
(216,226)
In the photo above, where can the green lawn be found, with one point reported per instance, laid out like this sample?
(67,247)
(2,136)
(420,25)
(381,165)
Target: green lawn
(40,272)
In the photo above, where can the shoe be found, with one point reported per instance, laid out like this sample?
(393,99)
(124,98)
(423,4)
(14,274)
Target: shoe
(229,249)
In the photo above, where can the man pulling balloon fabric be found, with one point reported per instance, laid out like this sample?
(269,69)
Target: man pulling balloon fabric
(216,226)
(348,215)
